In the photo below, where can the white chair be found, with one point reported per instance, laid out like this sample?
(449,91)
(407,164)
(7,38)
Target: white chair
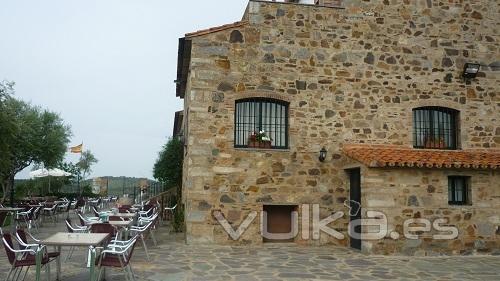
(74,229)
(140,232)
(50,212)
(24,216)
(170,210)
(121,251)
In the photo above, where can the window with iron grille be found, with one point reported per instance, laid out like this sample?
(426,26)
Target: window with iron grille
(256,115)
(458,190)
(435,128)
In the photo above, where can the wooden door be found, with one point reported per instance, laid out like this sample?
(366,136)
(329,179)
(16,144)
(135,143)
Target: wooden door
(355,203)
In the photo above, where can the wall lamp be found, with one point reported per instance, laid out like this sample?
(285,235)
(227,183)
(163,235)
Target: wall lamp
(470,70)
(322,154)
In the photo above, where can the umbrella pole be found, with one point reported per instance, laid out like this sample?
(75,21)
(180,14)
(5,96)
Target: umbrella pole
(49,185)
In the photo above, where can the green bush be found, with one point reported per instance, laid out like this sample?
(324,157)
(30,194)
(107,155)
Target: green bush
(178,220)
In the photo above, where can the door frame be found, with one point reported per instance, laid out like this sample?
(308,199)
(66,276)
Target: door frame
(354,175)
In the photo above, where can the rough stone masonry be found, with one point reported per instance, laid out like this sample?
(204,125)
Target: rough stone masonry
(351,75)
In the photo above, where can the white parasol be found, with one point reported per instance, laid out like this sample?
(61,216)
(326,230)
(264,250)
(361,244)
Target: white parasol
(42,173)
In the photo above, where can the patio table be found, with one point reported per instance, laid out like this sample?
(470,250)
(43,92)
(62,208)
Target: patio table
(124,215)
(91,240)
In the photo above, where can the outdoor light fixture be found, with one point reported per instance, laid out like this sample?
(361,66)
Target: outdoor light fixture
(470,70)
(322,155)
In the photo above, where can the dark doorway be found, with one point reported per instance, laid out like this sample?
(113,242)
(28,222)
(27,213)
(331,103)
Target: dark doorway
(279,220)
(355,203)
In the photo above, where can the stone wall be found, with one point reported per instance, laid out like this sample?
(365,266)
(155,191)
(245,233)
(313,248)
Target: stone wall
(351,76)
(423,194)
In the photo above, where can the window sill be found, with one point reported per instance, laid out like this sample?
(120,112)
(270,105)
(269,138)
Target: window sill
(262,149)
(436,148)
(460,205)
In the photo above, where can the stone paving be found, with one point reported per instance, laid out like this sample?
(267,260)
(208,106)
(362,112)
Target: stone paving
(173,260)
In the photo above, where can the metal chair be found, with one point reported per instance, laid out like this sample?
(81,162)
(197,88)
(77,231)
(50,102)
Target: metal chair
(73,229)
(104,228)
(170,210)
(22,238)
(84,221)
(140,232)
(3,217)
(50,212)
(24,216)
(23,258)
(119,257)
(34,217)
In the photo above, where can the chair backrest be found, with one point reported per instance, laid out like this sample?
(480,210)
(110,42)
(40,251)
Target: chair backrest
(36,213)
(103,228)
(82,220)
(31,213)
(21,234)
(80,203)
(123,209)
(68,207)
(96,213)
(129,256)
(69,227)
(3,216)
(8,246)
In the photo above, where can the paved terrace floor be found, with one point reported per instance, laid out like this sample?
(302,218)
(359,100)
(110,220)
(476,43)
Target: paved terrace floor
(173,260)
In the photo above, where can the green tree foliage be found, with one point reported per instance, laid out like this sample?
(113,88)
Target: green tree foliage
(73,169)
(39,136)
(85,164)
(168,166)
(7,126)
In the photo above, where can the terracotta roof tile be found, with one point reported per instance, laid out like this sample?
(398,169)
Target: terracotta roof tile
(216,29)
(400,156)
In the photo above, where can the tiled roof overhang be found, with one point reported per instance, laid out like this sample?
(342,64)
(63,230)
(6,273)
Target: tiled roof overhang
(216,29)
(184,54)
(378,156)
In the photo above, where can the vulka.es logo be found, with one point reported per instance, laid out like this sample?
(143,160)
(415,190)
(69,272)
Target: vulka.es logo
(375,221)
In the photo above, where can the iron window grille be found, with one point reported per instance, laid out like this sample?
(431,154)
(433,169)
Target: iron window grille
(458,190)
(261,114)
(435,128)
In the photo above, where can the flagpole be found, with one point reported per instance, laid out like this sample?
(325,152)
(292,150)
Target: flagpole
(79,189)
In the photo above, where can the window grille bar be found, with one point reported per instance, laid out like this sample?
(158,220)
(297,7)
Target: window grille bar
(255,115)
(435,127)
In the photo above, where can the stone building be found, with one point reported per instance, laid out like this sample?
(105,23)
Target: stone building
(378,86)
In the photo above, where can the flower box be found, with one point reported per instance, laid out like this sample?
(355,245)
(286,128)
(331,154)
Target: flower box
(259,144)
(434,143)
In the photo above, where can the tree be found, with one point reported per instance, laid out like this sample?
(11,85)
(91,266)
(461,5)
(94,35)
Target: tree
(40,136)
(7,127)
(6,90)
(168,166)
(85,164)
(73,169)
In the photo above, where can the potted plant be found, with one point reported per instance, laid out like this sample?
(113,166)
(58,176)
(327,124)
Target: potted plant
(434,142)
(259,140)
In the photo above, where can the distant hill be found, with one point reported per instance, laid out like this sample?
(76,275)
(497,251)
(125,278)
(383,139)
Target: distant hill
(121,185)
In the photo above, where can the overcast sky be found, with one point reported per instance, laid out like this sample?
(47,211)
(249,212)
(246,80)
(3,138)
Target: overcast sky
(107,66)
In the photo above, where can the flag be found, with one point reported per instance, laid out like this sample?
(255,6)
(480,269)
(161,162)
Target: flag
(76,149)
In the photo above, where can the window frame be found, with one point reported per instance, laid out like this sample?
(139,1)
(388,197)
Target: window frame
(420,131)
(466,190)
(258,124)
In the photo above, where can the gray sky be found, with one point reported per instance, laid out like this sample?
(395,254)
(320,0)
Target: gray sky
(107,66)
